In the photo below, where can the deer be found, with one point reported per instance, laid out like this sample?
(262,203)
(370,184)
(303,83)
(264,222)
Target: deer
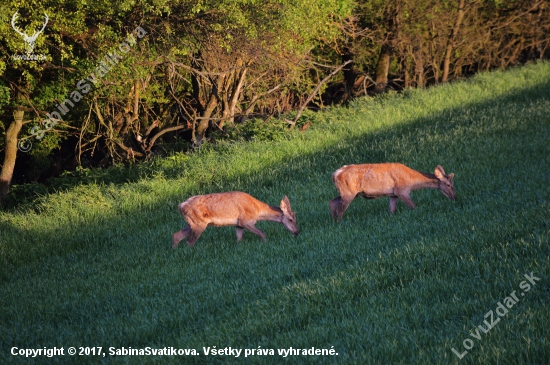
(395,180)
(235,208)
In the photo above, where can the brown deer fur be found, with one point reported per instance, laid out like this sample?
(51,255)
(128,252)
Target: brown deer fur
(385,179)
(231,209)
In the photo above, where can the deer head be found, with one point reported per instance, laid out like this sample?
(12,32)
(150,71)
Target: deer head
(446,185)
(289,217)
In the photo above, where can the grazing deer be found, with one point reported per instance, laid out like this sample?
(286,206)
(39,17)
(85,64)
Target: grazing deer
(385,179)
(231,209)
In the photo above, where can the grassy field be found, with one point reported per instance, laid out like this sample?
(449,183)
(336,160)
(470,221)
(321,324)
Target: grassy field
(92,265)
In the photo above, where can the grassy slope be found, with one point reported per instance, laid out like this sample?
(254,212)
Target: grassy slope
(93,266)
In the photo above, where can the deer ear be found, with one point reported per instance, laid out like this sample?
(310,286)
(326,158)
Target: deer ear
(285,204)
(439,172)
(451,176)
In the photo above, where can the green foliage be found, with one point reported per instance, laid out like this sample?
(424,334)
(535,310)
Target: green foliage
(272,129)
(93,265)
(194,47)
(4,95)
(25,194)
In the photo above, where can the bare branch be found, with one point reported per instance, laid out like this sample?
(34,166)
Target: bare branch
(165,130)
(312,95)
(258,96)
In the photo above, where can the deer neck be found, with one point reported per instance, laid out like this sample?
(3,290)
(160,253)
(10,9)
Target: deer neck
(273,214)
(426,181)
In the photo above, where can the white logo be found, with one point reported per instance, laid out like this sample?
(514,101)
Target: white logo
(28,39)
(24,145)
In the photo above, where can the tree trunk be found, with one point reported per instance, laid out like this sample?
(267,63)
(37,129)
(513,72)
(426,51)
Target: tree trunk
(235,94)
(382,69)
(406,65)
(10,154)
(349,74)
(419,66)
(390,44)
(451,40)
(204,122)
(224,95)
(538,41)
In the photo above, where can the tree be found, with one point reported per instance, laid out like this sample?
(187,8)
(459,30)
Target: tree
(38,86)
(25,82)
(451,40)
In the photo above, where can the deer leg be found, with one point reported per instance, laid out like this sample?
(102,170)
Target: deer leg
(252,228)
(195,234)
(179,235)
(405,198)
(343,206)
(240,231)
(393,203)
(334,203)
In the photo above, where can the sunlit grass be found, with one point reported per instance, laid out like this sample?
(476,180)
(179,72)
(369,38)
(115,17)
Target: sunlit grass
(93,265)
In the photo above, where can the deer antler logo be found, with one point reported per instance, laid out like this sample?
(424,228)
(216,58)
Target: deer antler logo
(28,39)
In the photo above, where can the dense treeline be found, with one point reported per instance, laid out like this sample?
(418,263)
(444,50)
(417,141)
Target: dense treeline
(119,82)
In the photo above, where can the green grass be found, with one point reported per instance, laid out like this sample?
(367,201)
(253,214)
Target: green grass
(93,265)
